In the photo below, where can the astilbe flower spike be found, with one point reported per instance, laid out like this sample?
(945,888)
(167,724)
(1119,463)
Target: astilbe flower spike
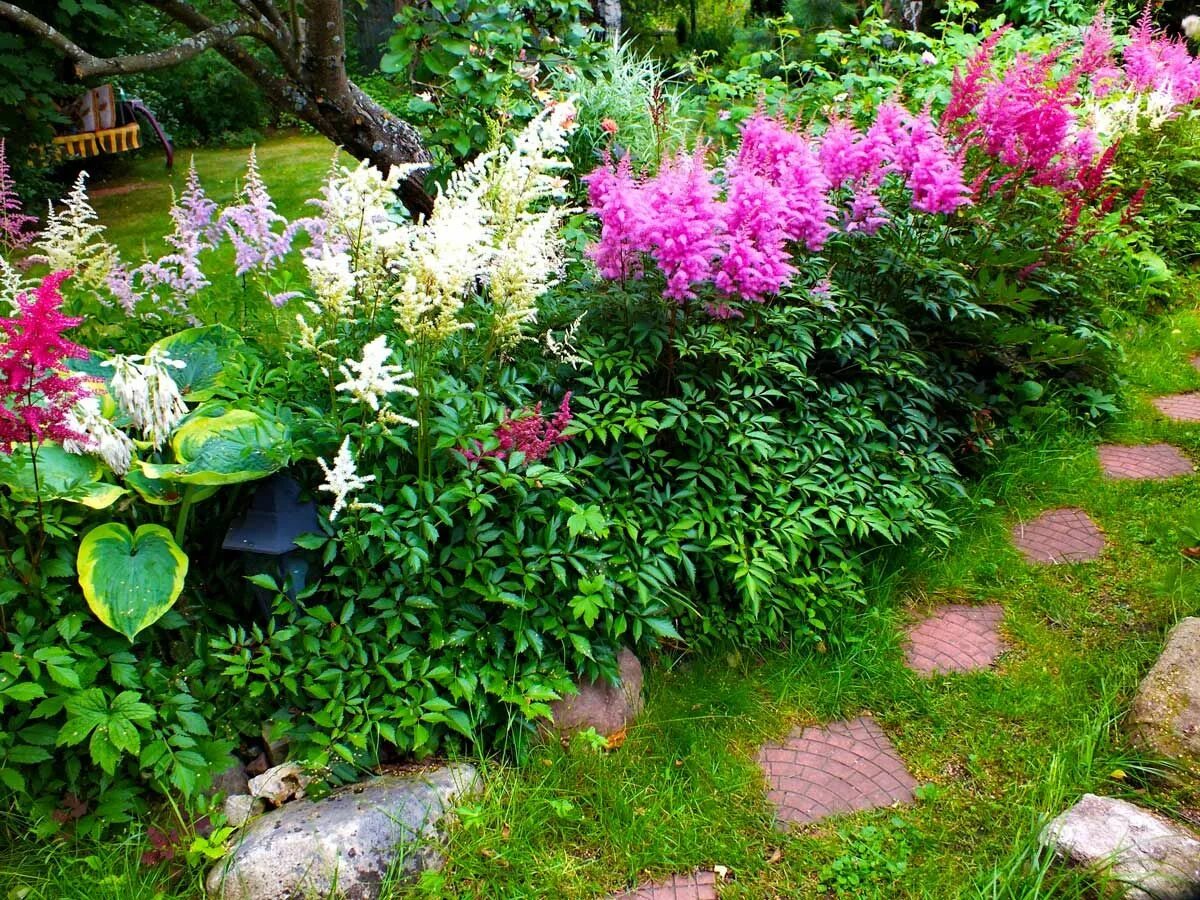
(37,395)
(15,225)
(250,225)
(196,230)
(529,434)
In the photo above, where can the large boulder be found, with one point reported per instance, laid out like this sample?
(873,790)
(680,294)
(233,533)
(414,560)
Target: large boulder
(606,707)
(1150,857)
(346,842)
(1166,712)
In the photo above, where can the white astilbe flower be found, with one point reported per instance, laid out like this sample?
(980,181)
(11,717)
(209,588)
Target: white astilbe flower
(146,392)
(11,284)
(565,351)
(332,280)
(371,379)
(73,239)
(343,480)
(1191,27)
(103,438)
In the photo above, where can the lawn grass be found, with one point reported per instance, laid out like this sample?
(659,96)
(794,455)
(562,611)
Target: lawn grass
(997,753)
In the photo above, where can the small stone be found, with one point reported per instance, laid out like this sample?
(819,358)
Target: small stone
(280,784)
(258,765)
(1165,715)
(600,705)
(241,808)
(230,781)
(1152,858)
(347,842)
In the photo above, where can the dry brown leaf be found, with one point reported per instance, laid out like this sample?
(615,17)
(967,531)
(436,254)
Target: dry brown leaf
(615,740)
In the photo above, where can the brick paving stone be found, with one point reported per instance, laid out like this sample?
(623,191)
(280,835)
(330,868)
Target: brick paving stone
(696,886)
(842,767)
(1143,461)
(1180,407)
(1059,536)
(956,638)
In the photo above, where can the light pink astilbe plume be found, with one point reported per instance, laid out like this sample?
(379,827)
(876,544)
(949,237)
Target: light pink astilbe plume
(250,225)
(36,395)
(684,230)
(16,228)
(1157,63)
(196,230)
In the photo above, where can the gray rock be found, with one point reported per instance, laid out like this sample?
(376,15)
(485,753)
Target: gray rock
(605,707)
(347,841)
(279,785)
(241,808)
(230,781)
(1165,716)
(1152,858)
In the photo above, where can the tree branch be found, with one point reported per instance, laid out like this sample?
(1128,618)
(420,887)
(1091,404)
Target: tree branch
(87,64)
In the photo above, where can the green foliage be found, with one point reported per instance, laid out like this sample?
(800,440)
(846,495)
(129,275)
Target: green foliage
(479,67)
(130,581)
(876,857)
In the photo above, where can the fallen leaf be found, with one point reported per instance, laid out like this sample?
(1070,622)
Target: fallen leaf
(615,740)
(776,856)
(1117,774)
(721,872)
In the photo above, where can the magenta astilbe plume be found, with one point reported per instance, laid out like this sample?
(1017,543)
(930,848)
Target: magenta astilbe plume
(1096,53)
(788,160)
(1157,63)
(36,393)
(250,225)
(16,228)
(528,434)
(683,231)
(620,204)
(967,84)
(754,260)
(931,172)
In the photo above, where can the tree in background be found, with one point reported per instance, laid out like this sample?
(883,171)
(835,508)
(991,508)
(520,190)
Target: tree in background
(300,64)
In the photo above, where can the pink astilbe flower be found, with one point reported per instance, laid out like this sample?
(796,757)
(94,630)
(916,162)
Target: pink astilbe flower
(1096,53)
(967,84)
(37,396)
(1155,63)
(196,230)
(683,231)
(931,172)
(120,283)
(755,260)
(788,160)
(529,434)
(620,204)
(723,311)
(15,226)
(251,224)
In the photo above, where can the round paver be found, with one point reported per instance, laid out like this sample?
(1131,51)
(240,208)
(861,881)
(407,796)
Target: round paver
(956,638)
(842,767)
(1180,407)
(1143,461)
(1059,536)
(696,886)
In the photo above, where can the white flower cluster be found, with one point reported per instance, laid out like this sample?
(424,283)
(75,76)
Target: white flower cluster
(103,438)
(343,480)
(73,239)
(10,284)
(371,379)
(146,392)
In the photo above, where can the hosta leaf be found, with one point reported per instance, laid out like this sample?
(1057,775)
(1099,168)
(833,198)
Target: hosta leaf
(130,580)
(210,355)
(216,445)
(60,475)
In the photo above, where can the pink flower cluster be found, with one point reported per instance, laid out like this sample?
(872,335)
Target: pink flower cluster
(196,230)
(1024,118)
(36,395)
(15,225)
(736,227)
(1155,63)
(250,225)
(529,434)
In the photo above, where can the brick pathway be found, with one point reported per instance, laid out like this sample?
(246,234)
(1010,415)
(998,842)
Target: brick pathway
(1180,407)
(956,638)
(1059,536)
(1143,461)
(696,886)
(839,768)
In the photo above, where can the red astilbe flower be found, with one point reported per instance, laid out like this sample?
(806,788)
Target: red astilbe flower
(529,434)
(15,225)
(36,393)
